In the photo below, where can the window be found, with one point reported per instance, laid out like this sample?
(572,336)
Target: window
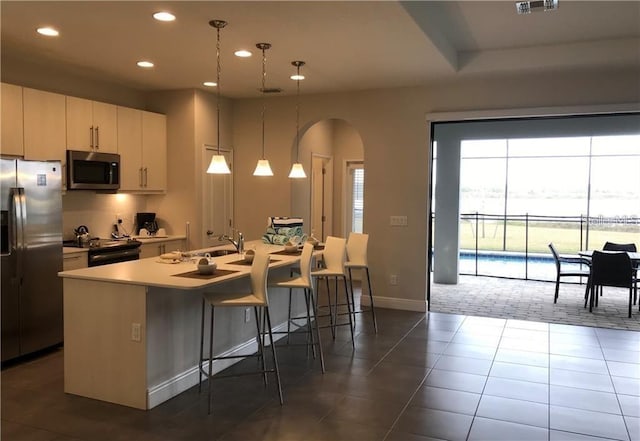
(355,196)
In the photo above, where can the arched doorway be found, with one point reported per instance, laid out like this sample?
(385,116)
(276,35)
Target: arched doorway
(321,200)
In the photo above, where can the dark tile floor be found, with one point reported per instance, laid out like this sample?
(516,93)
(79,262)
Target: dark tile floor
(422,377)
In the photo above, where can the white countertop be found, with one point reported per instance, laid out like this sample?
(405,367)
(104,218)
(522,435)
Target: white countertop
(143,240)
(152,272)
(73,250)
(153,239)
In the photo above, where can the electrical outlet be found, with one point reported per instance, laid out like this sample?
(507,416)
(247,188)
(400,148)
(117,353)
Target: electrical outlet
(135,331)
(393,279)
(247,315)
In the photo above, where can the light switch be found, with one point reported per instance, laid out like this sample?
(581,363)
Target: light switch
(398,221)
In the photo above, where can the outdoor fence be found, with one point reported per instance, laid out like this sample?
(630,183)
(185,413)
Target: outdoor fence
(516,246)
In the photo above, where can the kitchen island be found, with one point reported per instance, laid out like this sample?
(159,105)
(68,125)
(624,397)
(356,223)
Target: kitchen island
(132,329)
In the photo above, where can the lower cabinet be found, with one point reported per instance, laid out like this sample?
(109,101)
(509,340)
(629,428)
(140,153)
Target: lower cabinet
(157,248)
(74,261)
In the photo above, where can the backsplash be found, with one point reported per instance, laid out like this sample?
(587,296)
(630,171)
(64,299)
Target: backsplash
(98,212)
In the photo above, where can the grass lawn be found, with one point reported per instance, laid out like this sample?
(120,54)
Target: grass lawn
(566,240)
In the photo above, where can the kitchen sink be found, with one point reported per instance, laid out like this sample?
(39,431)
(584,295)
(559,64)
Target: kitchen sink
(217,253)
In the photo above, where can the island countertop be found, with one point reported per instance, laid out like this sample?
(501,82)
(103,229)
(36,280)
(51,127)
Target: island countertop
(155,272)
(131,329)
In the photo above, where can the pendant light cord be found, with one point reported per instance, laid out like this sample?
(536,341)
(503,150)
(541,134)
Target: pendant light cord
(264,104)
(218,89)
(298,114)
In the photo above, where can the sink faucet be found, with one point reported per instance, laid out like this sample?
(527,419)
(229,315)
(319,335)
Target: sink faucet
(239,244)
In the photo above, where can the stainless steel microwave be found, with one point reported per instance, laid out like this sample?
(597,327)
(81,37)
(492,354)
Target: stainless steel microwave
(92,171)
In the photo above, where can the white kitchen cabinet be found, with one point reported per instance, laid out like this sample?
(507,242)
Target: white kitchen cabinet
(91,125)
(73,261)
(157,248)
(44,125)
(154,150)
(11,141)
(142,145)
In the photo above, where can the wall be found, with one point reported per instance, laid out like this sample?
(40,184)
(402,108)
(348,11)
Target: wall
(98,212)
(347,146)
(191,123)
(37,74)
(392,125)
(394,133)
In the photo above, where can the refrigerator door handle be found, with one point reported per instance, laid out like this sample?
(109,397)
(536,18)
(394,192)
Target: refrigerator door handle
(18,218)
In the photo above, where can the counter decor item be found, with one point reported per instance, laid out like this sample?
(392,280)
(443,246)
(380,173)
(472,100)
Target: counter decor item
(249,255)
(206,267)
(290,248)
(281,230)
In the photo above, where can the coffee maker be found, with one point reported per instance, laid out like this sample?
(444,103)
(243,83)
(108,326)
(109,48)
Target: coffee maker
(146,221)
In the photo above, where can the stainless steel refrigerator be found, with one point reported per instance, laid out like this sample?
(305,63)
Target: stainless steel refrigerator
(31,256)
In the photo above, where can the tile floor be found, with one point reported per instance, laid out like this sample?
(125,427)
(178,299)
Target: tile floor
(422,377)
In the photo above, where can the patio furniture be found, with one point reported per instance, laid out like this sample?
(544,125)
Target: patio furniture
(610,269)
(568,259)
(631,248)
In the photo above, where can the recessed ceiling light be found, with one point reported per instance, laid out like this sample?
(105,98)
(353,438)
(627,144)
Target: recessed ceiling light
(210,83)
(145,64)
(48,31)
(297,77)
(164,16)
(243,53)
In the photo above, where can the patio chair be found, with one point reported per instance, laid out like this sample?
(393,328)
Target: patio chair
(631,248)
(565,258)
(610,269)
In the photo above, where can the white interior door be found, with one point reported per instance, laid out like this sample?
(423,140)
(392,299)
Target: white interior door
(321,196)
(217,200)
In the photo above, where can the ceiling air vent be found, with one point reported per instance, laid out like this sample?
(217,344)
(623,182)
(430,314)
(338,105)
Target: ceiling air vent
(536,5)
(270,90)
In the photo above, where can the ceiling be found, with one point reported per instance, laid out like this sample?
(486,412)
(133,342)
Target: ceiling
(347,45)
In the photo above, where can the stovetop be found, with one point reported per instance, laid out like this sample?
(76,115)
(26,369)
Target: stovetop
(103,244)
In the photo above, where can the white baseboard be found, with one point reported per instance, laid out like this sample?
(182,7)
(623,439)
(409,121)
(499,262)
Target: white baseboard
(395,303)
(168,389)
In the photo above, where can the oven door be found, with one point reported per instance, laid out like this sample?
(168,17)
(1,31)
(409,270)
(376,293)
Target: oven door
(97,258)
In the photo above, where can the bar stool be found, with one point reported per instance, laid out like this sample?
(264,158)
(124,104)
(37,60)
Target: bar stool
(304,282)
(257,298)
(333,258)
(357,259)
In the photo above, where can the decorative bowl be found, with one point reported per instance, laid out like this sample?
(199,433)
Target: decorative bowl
(249,255)
(291,248)
(206,267)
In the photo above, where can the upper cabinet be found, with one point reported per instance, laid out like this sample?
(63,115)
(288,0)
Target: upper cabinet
(44,125)
(154,150)
(91,125)
(11,140)
(142,145)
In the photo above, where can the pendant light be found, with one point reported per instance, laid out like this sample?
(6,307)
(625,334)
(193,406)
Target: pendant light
(297,170)
(218,164)
(263,168)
